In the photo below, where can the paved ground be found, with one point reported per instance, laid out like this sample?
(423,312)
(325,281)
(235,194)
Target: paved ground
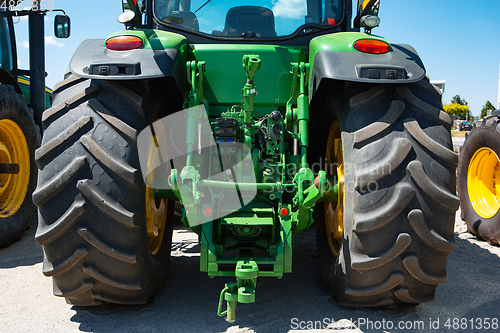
(457,142)
(188,301)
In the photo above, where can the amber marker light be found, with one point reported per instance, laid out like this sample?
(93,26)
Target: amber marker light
(124,43)
(372,46)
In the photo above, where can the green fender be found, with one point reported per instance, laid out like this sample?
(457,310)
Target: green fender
(333,56)
(162,54)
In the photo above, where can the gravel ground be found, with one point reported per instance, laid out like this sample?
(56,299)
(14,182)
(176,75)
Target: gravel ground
(188,301)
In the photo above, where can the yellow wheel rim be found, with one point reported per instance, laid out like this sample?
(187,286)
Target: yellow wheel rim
(156,216)
(483,183)
(334,211)
(156,209)
(13,149)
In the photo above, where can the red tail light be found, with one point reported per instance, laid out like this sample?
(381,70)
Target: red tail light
(123,43)
(372,46)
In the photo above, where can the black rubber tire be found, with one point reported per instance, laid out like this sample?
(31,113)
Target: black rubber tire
(484,133)
(400,198)
(91,195)
(13,107)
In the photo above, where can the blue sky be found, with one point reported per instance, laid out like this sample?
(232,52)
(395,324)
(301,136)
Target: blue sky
(457,40)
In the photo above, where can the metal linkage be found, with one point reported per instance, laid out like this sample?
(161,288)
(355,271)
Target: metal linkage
(193,99)
(243,291)
(251,64)
(300,72)
(257,228)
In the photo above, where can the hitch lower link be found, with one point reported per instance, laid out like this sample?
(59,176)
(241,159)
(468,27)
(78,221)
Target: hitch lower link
(243,291)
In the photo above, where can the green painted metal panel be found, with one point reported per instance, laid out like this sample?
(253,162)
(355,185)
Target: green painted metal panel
(338,42)
(24,84)
(154,39)
(225,77)
(244,218)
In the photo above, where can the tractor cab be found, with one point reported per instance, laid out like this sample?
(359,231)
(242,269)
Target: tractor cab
(6,62)
(22,79)
(251,20)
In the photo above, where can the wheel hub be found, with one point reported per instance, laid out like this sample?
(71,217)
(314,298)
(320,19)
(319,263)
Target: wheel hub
(156,209)
(334,211)
(483,183)
(13,149)
(156,215)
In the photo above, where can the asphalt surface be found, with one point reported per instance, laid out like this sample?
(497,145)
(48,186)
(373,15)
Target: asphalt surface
(457,142)
(188,301)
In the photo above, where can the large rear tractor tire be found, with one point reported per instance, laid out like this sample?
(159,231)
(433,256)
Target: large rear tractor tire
(388,239)
(105,238)
(479,179)
(19,138)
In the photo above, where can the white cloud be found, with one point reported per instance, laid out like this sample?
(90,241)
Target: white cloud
(50,40)
(201,20)
(290,8)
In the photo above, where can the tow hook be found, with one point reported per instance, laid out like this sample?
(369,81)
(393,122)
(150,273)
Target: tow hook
(243,291)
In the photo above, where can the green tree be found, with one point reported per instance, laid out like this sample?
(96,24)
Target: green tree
(458,100)
(459,108)
(487,107)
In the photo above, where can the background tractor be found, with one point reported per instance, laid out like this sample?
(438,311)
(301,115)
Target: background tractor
(479,179)
(21,92)
(259,118)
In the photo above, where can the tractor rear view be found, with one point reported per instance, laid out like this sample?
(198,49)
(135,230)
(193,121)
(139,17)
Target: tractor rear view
(259,120)
(21,92)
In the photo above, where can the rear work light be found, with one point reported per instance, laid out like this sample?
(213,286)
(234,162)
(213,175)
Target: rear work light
(123,43)
(372,46)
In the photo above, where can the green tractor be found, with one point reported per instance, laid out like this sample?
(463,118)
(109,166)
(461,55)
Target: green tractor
(478,176)
(260,119)
(23,98)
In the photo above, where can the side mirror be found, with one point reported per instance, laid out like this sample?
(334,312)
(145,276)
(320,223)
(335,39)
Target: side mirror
(126,17)
(62,26)
(367,16)
(131,15)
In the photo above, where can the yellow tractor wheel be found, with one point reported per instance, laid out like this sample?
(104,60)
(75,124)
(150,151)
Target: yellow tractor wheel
(19,137)
(334,210)
(479,179)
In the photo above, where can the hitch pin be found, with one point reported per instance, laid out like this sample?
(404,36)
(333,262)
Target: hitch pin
(230,294)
